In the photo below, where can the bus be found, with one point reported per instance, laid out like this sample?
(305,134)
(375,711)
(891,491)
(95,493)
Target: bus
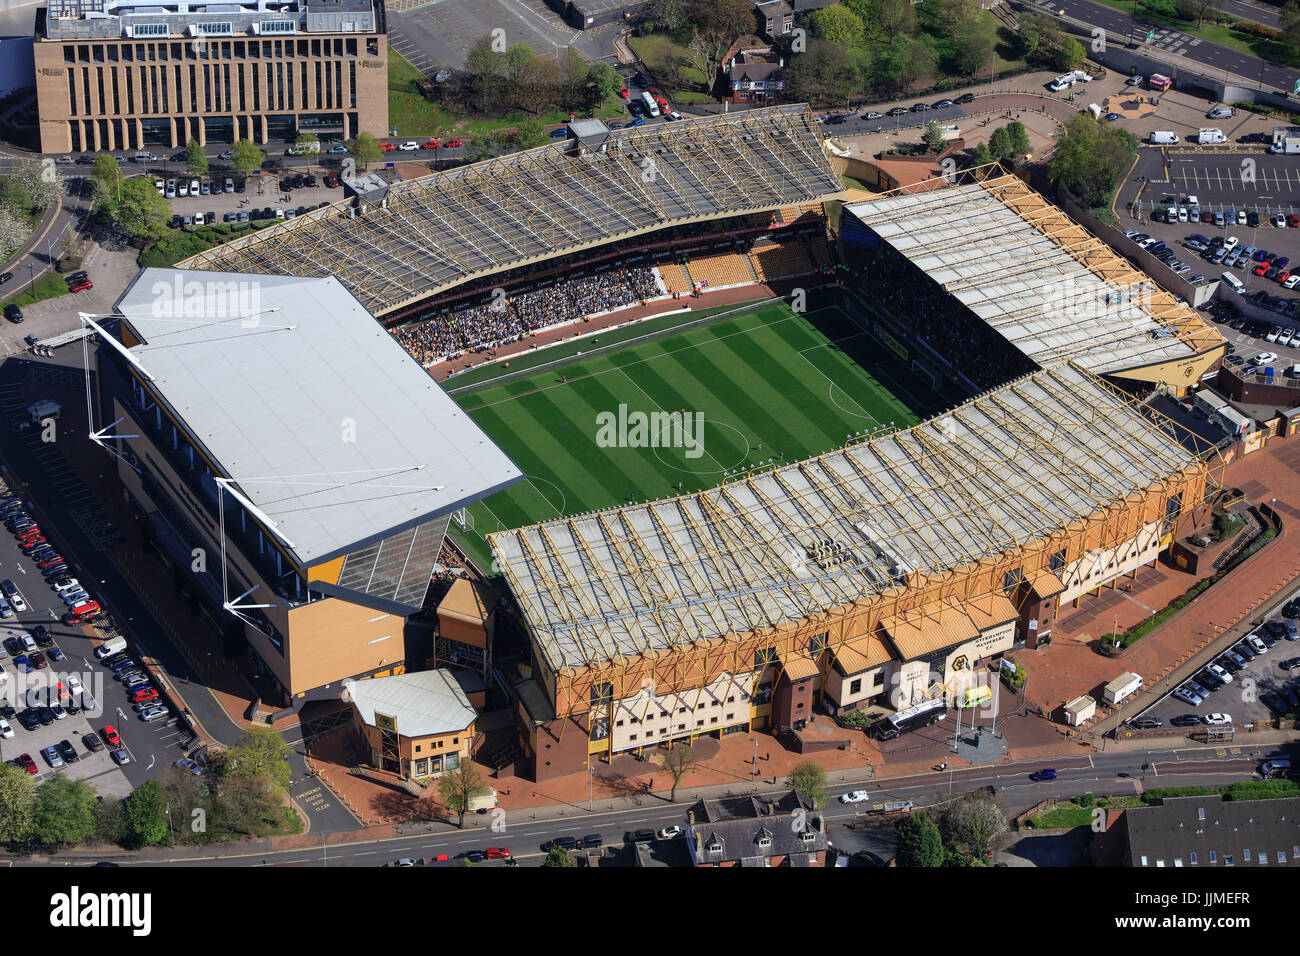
(910,718)
(651,107)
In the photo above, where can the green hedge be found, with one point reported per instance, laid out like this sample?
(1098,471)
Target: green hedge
(171,249)
(1263,790)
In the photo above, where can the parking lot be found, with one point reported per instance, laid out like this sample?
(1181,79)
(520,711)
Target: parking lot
(46,661)
(1259,687)
(1256,180)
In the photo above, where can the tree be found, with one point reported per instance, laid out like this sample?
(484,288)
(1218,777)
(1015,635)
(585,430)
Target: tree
(824,74)
(17,799)
(981,155)
(901,64)
(15,197)
(974,48)
(40,179)
(670,14)
(13,233)
(972,822)
(717,24)
(934,136)
(110,821)
(1090,159)
(678,761)
(557,856)
(306,139)
(1289,22)
(604,80)
(261,752)
(246,157)
(64,810)
(106,174)
(245,804)
(142,213)
(1028,38)
(1019,136)
(195,160)
(69,247)
(145,822)
(1071,54)
(919,841)
(482,75)
(365,150)
(458,788)
(838,24)
(531,134)
(1000,144)
(809,781)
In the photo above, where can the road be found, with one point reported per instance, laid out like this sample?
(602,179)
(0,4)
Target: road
(1096,773)
(1121,26)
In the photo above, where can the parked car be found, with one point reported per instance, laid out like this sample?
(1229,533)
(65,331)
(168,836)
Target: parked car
(855,796)
(1041,775)
(1217,720)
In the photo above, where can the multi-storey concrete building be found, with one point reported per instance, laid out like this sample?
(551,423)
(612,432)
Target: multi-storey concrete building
(291,464)
(127,74)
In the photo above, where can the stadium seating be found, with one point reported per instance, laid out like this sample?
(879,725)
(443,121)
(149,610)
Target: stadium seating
(780,260)
(675,278)
(728,268)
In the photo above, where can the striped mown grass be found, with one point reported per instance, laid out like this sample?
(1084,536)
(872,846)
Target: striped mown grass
(769,383)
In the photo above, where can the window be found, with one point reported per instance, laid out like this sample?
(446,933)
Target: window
(220,29)
(808,836)
(1214,857)
(631,736)
(731,699)
(268,27)
(699,723)
(1227,860)
(618,723)
(1191,858)
(417,748)
(855,686)
(455,741)
(1281,856)
(765,842)
(1245,854)
(731,716)
(149,30)
(1057,560)
(681,726)
(681,710)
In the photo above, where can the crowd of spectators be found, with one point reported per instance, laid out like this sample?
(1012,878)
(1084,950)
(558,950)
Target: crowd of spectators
(499,320)
(927,311)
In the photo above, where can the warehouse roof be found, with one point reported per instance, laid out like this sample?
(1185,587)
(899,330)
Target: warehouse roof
(313,410)
(1050,287)
(1006,468)
(435,232)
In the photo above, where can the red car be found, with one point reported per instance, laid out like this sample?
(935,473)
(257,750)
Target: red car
(81,286)
(431,144)
(1293,220)
(27,763)
(622,91)
(31,544)
(49,562)
(1262,268)
(147,693)
(388,147)
(497,853)
(1283,276)
(452,143)
(110,736)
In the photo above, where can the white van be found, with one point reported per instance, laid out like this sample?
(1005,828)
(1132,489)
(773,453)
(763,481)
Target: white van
(1163,138)
(110,647)
(1233,282)
(1210,134)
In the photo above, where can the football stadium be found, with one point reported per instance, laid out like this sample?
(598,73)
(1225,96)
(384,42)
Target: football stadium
(776,453)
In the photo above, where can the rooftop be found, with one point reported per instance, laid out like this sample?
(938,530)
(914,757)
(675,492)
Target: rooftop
(1011,466)
(320,418)
(1209,831)
(423,703)
(158,19)
(1048,286)
(438,231)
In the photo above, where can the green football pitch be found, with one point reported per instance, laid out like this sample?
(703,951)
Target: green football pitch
(759,384)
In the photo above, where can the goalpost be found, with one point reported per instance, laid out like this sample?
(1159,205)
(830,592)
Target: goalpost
(463,518)
(920,368)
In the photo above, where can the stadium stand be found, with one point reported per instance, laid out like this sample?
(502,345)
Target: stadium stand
(780,260)
(721,269)
(424,236)
(676,278)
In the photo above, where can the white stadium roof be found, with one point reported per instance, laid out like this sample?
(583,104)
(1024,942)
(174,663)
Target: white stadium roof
(1011,466)
(315,412)
(1049,287)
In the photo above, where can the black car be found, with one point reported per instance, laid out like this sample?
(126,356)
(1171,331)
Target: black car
(964,99)
(8,587)
(1146,723)
(1228,664)
(13,314)
(13,646)
(1252,219)
(67,751)
(42,636)
(7,710)
(943,104)
(45,716)
(1289,664)
(898,111)
(1206,679)
(29,719)
(1291,696)
(1274,703)
(92,742)
(592,841)
(640,836)
(239,185)
(1245,650)
(55,571)
(112,659)
(1268,639)
(563,843)
(1186,720)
